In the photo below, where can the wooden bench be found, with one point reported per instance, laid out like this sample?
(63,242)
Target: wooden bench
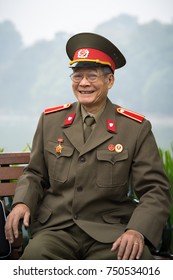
(11,167)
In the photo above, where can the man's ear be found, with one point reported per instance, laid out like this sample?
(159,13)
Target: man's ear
(111,80)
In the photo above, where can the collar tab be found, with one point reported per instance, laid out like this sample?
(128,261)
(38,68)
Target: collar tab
(111,126)
(69,119)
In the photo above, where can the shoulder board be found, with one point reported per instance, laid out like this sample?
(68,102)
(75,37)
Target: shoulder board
(132,115)
(57,108)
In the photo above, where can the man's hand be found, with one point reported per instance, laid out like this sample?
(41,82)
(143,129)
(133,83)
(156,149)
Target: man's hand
(20,211)
(130,245)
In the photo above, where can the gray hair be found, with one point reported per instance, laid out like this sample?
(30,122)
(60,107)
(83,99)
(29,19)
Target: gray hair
(106,70)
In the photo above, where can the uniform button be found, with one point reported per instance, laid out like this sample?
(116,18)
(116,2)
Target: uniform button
(82,159)
(75,217)
(80,189)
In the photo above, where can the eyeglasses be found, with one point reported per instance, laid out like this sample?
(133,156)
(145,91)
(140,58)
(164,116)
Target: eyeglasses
(91,77)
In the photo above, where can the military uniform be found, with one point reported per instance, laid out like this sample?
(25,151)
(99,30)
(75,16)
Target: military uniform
(88,183)
(81,189)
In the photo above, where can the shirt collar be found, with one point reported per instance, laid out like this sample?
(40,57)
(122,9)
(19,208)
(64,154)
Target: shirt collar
(84,113)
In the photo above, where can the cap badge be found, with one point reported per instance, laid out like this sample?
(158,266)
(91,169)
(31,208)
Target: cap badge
(59,148)
(83,53)
(118,148)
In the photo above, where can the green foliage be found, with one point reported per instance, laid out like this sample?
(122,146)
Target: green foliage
(167,157)
(27,148)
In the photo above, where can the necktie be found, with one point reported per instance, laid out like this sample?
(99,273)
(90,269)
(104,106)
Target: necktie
(89,122)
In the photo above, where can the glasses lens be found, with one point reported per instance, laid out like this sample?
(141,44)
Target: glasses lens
(91,77)
(76,77)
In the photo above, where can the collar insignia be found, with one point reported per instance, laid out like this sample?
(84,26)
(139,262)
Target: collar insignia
(69,119)
(111,126)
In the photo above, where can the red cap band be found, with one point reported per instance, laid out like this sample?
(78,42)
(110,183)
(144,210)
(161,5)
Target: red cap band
(93,55)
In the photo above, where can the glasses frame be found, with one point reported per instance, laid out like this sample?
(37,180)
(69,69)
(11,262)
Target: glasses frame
(87,77)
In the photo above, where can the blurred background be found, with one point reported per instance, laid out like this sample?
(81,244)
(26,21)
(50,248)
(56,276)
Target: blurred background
(34,69)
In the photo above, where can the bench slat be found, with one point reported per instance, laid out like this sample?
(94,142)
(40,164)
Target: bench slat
(7,189)
(9,173)
(14,158)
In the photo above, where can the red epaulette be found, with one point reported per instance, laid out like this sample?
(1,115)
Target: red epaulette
(57,108)
(132,115)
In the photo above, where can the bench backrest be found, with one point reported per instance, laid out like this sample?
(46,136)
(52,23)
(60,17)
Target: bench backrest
(11,168)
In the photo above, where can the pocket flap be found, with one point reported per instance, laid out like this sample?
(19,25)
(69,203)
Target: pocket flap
(66,151)
(44,214)
(112,157)
(111,218)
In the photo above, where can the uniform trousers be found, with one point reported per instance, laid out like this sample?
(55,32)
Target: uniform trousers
(70,244)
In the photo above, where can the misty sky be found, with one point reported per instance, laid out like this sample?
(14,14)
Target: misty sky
(41,19)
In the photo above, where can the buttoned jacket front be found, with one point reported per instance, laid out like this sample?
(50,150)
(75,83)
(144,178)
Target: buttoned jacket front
(88,184)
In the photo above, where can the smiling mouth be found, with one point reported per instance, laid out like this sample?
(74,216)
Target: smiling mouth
(86,92)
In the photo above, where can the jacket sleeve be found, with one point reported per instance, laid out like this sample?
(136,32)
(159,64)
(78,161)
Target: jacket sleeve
(31,185)
(151,187)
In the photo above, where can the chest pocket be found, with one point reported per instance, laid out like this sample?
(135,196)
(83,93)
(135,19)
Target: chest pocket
(59,163)
(112,168)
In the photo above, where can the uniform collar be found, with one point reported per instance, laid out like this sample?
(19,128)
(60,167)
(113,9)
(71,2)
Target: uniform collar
(100,134)
(96,115)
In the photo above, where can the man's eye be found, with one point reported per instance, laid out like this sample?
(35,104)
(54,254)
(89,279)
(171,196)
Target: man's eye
(92,76)
(77,76)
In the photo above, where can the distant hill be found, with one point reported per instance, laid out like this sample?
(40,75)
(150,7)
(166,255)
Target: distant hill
(35,77)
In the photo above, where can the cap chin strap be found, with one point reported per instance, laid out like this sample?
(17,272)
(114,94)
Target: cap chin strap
(89,63)
(90,60)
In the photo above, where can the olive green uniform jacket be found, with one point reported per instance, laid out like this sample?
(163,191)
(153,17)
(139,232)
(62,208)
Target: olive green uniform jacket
(87,184)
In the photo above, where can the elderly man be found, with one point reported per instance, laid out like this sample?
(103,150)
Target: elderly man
(85,156)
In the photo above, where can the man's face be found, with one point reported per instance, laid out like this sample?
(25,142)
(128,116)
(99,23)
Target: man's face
(90,86)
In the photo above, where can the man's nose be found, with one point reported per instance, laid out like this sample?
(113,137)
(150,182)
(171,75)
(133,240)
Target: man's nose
(84,81)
